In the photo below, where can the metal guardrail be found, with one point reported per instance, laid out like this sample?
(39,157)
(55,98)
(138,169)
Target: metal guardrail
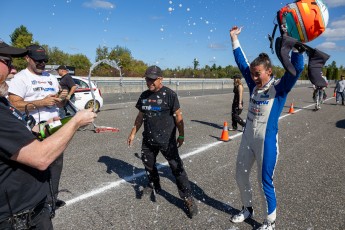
(139,85)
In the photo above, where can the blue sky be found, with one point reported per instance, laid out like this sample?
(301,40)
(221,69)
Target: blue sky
(167,33)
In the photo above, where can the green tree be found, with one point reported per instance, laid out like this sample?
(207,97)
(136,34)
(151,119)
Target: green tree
(21,38)
(81,63)
(57,57)
(123,55)
(102,53)
(335,74)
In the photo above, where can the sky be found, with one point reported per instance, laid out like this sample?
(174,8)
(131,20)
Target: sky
(170,34)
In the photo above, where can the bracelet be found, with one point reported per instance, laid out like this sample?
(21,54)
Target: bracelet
(180,137)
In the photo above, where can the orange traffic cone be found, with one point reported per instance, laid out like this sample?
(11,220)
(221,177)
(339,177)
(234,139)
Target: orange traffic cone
(291,110)
(225,133)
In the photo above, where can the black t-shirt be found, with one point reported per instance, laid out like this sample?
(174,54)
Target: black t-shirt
(159,121)
(21,186)
(67,82)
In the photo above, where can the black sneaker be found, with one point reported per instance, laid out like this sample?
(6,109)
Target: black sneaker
(191,206)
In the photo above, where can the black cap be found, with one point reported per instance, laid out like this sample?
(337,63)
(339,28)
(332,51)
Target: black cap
(237,76)
(37,52)
(61,67)
(10,51)
(153,72)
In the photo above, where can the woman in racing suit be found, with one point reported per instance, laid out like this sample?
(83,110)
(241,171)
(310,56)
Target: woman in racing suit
(260,138)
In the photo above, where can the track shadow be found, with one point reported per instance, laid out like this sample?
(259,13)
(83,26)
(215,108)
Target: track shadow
(209,124)
(125,171)
(200,195)
(340,124)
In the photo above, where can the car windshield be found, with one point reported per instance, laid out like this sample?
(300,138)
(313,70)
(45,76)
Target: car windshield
(81,84)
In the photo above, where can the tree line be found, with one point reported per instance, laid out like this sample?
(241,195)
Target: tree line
(131,67)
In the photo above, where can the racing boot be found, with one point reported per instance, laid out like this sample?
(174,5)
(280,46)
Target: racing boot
(244,214)
(283,46)
(190,204)
(268,225)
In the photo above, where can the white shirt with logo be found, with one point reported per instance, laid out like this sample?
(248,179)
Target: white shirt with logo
(32,87)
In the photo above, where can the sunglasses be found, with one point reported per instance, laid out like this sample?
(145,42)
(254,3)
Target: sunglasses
(7,62)
(150,79)
(40,61)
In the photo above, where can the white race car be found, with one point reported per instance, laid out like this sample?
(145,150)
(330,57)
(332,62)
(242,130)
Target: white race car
(83,96)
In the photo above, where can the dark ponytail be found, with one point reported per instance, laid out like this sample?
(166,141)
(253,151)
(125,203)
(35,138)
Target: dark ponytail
(262,59)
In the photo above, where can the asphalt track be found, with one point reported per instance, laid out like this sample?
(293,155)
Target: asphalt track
(102,176)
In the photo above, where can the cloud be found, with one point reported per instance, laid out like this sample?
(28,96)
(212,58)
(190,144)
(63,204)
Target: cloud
(336,31)
(156,17)
(217,46)
(335,34)
(330,46)
(98,4)
(334,3)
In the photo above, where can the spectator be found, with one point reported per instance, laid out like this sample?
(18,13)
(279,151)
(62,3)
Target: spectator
(340,90)
(67,84)
(35,94)
(24,160)
(237,103)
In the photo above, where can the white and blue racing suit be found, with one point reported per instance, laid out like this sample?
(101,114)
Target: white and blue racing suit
(260,138)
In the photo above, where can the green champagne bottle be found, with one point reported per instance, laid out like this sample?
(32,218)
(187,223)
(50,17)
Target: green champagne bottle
(56,125)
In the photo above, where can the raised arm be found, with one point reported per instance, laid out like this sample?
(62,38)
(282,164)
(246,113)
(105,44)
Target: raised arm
(240,57)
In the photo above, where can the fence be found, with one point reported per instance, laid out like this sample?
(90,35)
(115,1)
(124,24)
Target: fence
(139,85)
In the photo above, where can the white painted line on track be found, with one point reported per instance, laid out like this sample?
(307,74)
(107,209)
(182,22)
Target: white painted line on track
(129,178)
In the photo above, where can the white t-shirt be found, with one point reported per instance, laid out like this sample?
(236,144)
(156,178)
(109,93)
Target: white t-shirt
(32,87)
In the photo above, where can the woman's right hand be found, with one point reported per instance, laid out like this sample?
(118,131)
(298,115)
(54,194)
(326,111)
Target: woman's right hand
(234,31)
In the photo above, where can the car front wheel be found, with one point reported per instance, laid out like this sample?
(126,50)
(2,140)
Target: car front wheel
(90,104)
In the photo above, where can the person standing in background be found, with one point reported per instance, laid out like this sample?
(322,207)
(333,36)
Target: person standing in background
(340,90)
(237,103)
(67,84)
